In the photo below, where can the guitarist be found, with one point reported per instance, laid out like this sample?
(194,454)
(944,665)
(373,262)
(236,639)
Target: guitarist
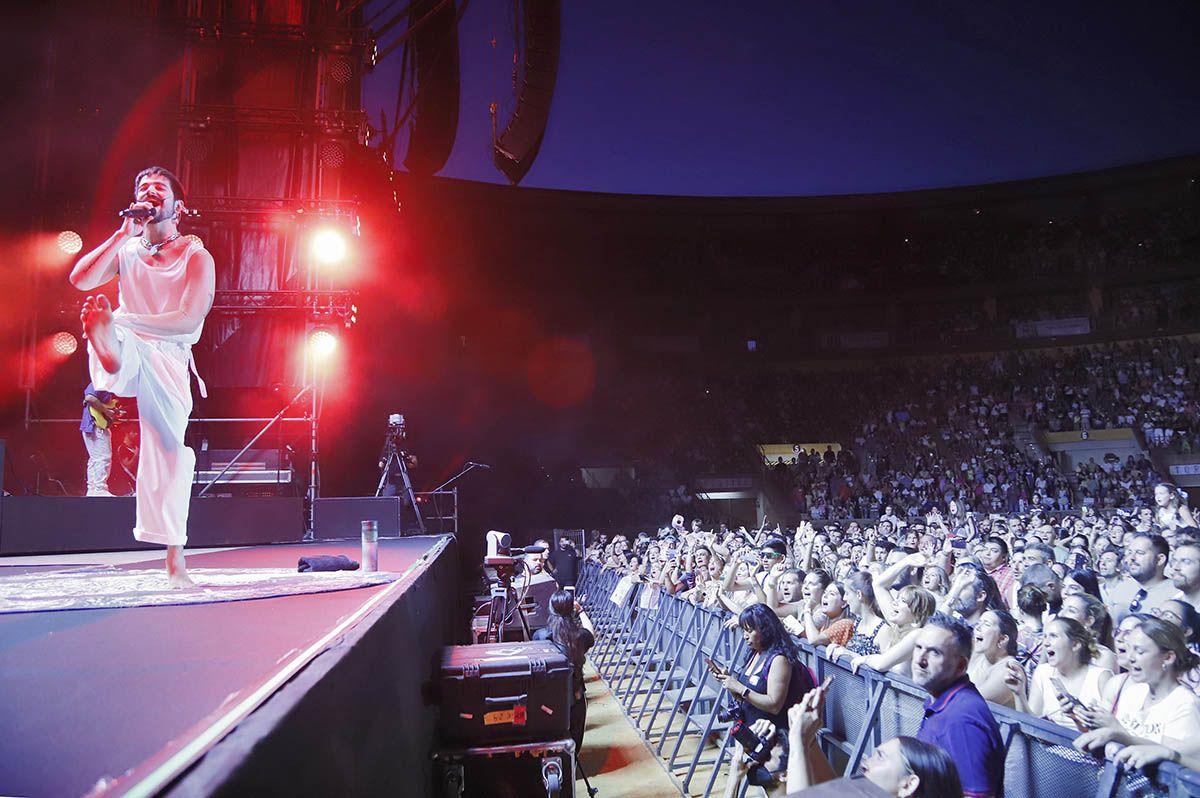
(99,414)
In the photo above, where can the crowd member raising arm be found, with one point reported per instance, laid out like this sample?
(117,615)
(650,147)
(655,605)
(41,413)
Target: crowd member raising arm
(906,615)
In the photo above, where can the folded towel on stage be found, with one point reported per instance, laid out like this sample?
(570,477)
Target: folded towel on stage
(327,563)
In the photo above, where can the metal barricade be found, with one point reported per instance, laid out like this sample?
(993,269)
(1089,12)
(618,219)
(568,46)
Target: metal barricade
(653,661)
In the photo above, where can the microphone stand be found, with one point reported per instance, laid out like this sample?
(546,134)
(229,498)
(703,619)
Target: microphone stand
(433,494)
(254,440)
(466,469)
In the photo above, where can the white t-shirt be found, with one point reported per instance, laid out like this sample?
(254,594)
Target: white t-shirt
(1051,708)
(1177,716)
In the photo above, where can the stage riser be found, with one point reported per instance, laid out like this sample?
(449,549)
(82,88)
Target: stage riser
(68,524)
(360,719)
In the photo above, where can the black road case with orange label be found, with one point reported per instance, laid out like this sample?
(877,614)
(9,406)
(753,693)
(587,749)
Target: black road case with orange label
(505,693)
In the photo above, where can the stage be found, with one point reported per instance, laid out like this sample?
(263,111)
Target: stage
(305,693)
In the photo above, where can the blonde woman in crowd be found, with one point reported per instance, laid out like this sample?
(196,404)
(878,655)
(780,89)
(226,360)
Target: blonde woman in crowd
(1066,682)
(906,615)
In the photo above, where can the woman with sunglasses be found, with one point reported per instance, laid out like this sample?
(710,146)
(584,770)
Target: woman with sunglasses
(1184,615)
(1091,612)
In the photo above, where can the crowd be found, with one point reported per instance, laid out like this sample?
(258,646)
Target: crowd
(1089,621)
(914,433)
(957,441)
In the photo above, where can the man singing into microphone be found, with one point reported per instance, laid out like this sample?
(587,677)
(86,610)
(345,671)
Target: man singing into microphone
(144,347)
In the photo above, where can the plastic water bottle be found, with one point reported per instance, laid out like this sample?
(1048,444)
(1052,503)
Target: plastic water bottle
(370,545)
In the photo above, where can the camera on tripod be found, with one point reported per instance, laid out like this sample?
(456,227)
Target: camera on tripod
(396,424)
(500,556)
(394,463)
(505,605)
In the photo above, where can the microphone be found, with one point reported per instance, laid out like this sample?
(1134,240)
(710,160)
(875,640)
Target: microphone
(137,213)
(478,465)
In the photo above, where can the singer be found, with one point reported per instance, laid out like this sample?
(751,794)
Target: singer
(143,348)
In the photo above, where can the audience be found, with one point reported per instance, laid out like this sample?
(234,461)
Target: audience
(1029,565)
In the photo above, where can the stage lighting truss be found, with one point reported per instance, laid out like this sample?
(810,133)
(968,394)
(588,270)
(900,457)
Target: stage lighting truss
(330,121)
(336,34)
(328,307)
(332,307)
(345,211)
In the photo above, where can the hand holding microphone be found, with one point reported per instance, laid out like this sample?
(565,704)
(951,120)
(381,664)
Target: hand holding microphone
(135,217)
(138,212)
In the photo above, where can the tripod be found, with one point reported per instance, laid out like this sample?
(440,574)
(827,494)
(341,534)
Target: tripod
(579,766)
(504,604)
(393,462)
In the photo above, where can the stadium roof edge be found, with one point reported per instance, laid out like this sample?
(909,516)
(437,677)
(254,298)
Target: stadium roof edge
(1185,166)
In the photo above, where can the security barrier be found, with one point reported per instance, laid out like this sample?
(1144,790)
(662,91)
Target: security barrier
(651,647)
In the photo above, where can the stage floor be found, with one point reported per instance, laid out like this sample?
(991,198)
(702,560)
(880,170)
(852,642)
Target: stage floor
(90,694)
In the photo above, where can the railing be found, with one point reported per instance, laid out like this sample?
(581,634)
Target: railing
(651,647)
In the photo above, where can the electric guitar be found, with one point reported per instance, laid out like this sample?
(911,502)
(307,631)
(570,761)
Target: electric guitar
(99,417)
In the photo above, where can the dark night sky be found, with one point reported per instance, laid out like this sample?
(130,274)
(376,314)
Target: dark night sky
(798,97)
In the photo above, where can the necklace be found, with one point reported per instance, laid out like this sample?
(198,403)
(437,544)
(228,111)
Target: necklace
(154,249)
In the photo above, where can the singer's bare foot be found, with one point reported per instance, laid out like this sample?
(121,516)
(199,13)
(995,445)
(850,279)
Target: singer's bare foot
(97,316)
(177,574)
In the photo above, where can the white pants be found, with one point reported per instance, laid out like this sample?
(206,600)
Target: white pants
(99,449)
(156,372)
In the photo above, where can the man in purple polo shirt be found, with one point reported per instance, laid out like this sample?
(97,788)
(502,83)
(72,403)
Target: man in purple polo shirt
(957,718)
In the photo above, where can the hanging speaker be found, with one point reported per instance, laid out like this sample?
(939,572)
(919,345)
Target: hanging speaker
(435,117)
(516,148)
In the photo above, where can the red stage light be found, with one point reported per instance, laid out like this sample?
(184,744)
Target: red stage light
(329,246)
(64,343)
(70,242)
(322,343)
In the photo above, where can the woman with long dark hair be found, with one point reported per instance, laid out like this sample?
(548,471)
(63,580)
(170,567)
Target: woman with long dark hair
(772,679)
(571,632)
(904,767)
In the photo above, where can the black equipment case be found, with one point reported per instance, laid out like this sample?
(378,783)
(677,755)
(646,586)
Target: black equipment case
(526,770)
(505,693)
